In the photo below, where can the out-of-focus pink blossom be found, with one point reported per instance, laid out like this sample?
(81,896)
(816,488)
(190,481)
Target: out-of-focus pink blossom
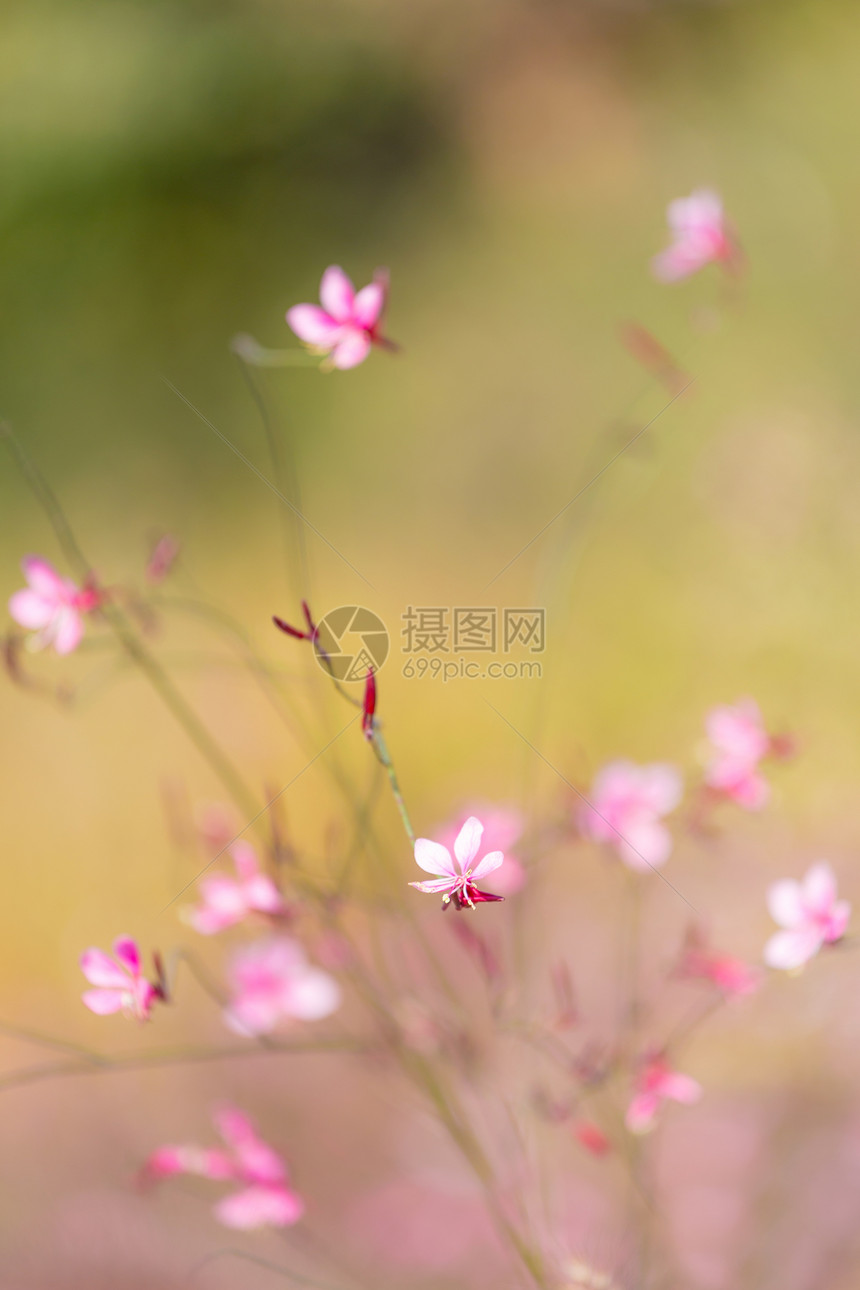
(730,975)
(271,980)
(655,1084)
(626,809)
(348,323)
(700,236)
(162,558)
(503,828)
(265,1198)
(591,1137)
(227,901)
(457,875)
(740,742)
(810,914)
(51,606)
(119,981)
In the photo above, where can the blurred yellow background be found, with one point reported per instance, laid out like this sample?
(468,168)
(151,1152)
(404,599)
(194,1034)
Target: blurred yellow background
(176,173)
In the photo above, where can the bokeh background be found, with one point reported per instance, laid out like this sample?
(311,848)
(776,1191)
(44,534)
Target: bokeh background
(176,173)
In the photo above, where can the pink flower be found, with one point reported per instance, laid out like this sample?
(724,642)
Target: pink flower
(271,980)
(457,876)
(810,914)
(503,828)
(348,323)
(740,742)
(51,606)
(700,236)
(730,975)
(627,804)
(120,984)
(657,1083)
(265,1198)
(227,901)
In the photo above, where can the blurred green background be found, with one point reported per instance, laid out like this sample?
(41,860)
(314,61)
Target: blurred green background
(175,173)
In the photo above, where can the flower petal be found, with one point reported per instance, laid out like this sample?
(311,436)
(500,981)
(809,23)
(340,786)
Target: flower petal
(789,950)
(104,1002)
(43,577)
(337,294)
(368,305)
(30,609)
(468,841)
(260,1207)
(490,862)
(68,632)
(314,326)
(437,885)
(128,954)
(351,350)
(100,969)
(819,889)
(313,995)
(434,858)
(785,903)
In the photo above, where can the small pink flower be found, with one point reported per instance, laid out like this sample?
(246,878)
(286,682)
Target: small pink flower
(740,742)
(626,809)
(657,1083)
(503,828)
(700,236)
(730,975)
(810,914)
(348,323)
(227,901)
(121,985)
(271,980)
(265,1199)
(51,606)
(457,876)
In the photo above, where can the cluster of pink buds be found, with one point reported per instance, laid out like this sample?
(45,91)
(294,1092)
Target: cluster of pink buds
(265,1197)
(53,607)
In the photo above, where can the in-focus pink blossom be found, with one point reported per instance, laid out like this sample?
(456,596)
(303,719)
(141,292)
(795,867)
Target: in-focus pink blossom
(739,742)
(458,875)
(265,1198)
(700,236)
(503,828)
(627,805)
(730,975)
(348,323)
(227,901)
(270,981)
(810,915)
(655,1084)
(51,606)
(119,981)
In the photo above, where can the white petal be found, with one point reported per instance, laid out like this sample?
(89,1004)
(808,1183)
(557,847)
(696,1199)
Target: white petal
(468,841)
(434,858)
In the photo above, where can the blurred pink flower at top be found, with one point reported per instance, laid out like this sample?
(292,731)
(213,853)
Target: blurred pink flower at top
(458,875)
(503,828)
(810,914)
(120,983)
(740,742)
(52,606)
(266,1198)
(626,809)
(272,980)
(347,323)
(227,901)
(655,1084)
(700,236)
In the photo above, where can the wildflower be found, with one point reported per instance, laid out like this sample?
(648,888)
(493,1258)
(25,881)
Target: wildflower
(626,808)
(120,983)
(227,901)
(457,876)
(503,828)
(700,236)
(730,975)
(348,323)
(740,742)
(810,914)
(52,606)
(271,980)
(657,1083)
(265,1199)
